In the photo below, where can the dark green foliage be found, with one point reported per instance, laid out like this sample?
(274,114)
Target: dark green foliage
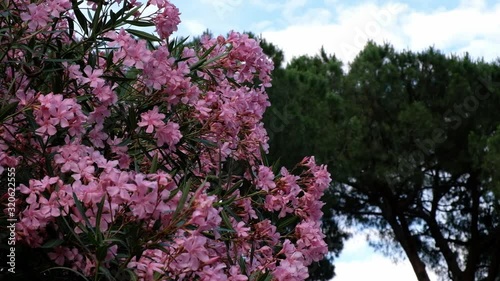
(305,99)
(412,143)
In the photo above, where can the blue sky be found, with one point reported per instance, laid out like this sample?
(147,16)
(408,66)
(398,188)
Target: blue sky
(342,27)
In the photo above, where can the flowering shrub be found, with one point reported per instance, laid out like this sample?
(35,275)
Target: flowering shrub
(142,157)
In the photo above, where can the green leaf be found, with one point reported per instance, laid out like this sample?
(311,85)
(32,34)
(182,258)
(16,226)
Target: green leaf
(132,119)
(117,78)
(243,265)
(226,220)
(176,45)
(139,23)
(198,64)
(206,142)
(82,20)
(227,202)
(100,207)
(68,269)
(109,58)
(106,273)
(143,35)
(71,26)
(263,155)
(288,221)
(185,191)
(96,20)
(7,110)
(154,164)
(266,277)
(52,243)
(79,206)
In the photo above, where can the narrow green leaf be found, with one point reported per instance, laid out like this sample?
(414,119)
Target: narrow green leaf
(68,269)
(288,221)
(132,119)
(243,265)
(226,220)
(154,164)
(198,64)
(117,78)
(143,35)
(263,155)
(100,207)
(71,26)
(139,23)
(79,206)
(82,20)
(106,273)
(7,110)
(207,52)
(52,243)
(185,191)
(206,142)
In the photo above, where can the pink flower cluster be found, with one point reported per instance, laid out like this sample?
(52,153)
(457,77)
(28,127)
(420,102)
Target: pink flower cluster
(123,138)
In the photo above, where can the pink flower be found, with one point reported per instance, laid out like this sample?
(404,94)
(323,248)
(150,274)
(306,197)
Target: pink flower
(168,134)
(97,135)
(166,22)
(37,16)
(120,186)
(205,216)
(55,7)
(151,262)
(311,241)
(47,127)
(213,273)
(195,252)
(241,230)
(265,178)
(235,274)
(93,77)
(152,119)
(62,254)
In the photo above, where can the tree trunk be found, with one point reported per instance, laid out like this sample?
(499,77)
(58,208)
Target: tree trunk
(404,237)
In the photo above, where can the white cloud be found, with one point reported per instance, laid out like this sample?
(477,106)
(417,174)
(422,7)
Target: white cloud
(194,26)
(458,27)
(374,268)
(291,6)
(359,262)
(222,8)
(471,26)
(353,27)
(261,25)
(266,5)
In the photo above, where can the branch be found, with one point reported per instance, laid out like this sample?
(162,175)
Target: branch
(473,257)
(442,244)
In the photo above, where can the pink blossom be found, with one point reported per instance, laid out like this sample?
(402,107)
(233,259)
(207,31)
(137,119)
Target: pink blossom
(151,262)
(93,76)
(168,134)
(56,7)
(86,140)
(62,254)
(235,274)
(152,119)
(166,22)
(241,230)
(37,16)
(311,241)
(120,186)
(265,178)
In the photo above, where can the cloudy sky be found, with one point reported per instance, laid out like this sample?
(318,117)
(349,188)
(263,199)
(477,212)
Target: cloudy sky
(343,27)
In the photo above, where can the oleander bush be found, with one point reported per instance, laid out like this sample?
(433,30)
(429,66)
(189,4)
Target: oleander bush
(139,156)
